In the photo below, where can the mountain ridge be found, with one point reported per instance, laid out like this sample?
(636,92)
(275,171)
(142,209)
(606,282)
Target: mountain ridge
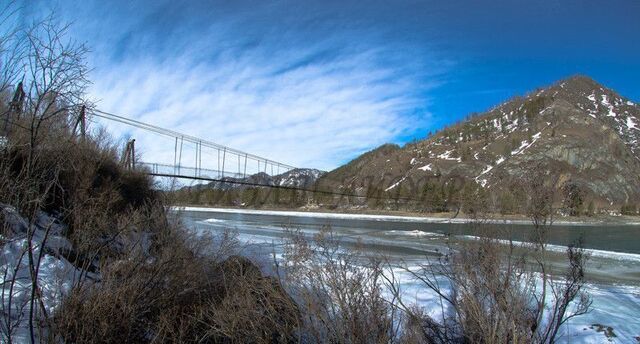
(581,131)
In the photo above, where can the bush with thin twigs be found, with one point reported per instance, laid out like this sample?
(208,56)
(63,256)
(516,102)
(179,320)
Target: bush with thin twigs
(178,292)
(493,291)
(338,290)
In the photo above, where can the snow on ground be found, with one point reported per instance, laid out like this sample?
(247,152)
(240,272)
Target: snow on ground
(425,167)
(524,145)
(396,184)
(631,124)
(605,309)
(518,150)
(483,182)
(607,104)
(513,125)
(486,170)
(447,156)
(55,276)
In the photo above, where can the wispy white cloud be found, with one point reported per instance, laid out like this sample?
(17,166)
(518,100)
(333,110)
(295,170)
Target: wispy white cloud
(248,78)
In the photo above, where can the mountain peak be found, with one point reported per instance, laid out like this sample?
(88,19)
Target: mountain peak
(580,79)
(580,84)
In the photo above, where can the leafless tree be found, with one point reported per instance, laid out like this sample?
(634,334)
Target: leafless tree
(11,48)
(48,73)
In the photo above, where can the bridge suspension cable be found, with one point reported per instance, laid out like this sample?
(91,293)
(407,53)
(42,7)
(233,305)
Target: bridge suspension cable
(186,137)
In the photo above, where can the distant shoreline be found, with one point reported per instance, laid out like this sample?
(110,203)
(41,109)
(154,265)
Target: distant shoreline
(409,217)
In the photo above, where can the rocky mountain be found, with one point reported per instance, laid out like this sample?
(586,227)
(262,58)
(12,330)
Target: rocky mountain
(303,178)
(580,131)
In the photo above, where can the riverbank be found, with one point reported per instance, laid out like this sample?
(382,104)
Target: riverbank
(612,274)
(390,215)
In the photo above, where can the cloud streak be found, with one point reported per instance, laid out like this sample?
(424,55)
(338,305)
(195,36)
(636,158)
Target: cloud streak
(254,85)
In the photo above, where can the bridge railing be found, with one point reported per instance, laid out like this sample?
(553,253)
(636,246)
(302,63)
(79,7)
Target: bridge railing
(186,171)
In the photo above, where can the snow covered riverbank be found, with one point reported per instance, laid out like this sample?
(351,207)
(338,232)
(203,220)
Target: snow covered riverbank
(614,305)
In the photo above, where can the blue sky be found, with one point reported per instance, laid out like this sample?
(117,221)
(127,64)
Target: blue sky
(315,83)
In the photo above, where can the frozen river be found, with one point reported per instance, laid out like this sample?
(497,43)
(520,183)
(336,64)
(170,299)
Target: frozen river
(613,268)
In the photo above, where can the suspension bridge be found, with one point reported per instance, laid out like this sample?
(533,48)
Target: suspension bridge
(191,157)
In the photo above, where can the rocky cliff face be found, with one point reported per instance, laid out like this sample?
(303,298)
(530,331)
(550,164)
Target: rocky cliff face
(582,132)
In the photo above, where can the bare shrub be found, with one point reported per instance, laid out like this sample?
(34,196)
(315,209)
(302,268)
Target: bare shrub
(252,308)
(490,294)
(494,291)
(337,289)
(134,290)
(179,289)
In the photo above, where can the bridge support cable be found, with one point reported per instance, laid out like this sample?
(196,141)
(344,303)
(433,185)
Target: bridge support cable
(198,161)
(245,167)
(180,155)
(175,154)
(224,157)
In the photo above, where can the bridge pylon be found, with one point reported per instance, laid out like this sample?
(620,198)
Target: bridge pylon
(128,159)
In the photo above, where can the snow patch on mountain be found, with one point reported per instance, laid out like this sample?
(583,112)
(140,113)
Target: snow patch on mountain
(425,167)
(524,145)
(299,177)
(447,156)
(396,184)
